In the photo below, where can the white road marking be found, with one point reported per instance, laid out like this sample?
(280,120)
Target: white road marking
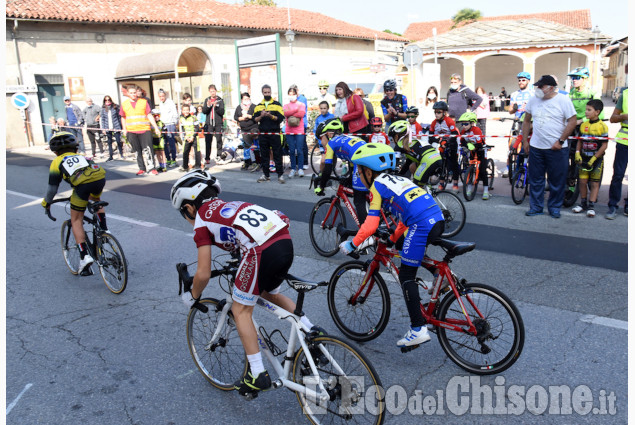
(14,402)
(189,372)
(605,321)
(35,201)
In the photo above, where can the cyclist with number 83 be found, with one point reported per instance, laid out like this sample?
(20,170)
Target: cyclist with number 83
(420,219)
(262,238)
(87,179)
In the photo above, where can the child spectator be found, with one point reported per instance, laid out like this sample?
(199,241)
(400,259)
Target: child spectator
(325,114)
(378,135)
(158,142)
(472,137)
(589,154)
(189,127)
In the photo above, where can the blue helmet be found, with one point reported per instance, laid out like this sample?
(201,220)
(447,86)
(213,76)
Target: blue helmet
(524,74)
(376,156)
(581,71)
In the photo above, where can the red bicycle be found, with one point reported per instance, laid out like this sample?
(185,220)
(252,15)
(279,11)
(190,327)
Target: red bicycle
(478,326)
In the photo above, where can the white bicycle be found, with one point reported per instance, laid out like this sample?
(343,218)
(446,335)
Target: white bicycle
(332,380)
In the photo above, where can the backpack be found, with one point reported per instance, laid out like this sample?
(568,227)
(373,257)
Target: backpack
(363,106)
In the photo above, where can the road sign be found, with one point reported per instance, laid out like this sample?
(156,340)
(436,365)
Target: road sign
(27,88)
(378,67)
(20,100)
(412,55)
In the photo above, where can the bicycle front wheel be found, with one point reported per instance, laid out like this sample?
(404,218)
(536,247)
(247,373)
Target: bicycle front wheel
(221,362)
(323,223)
(70,250)
(471,184)
(316,158)
(356,393)
(572,191)
(499,327)
(359,309)
(112,263)
(512,160)
(490,173)
(453,212)
(519,186)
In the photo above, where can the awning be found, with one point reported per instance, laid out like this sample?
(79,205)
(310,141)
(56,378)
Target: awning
(181,61)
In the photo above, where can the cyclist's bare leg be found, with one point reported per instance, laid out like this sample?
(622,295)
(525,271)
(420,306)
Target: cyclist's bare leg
(279,300)
(246,329)
(77,219)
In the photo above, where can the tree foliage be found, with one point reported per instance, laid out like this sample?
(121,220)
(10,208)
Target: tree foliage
(466,15)
(260,2)
(393,33)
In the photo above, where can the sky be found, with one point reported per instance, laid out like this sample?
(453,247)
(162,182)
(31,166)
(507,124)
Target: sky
(374,13)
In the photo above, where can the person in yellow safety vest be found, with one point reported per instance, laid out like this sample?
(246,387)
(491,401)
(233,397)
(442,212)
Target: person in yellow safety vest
(620,114)
(136,118)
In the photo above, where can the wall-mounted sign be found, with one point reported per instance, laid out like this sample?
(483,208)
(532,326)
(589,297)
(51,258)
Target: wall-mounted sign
(76,87)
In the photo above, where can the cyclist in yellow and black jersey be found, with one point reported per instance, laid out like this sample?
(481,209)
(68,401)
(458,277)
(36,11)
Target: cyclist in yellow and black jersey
(87,179)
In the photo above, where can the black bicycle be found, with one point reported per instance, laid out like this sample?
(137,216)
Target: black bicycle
(520,182)
(103,247)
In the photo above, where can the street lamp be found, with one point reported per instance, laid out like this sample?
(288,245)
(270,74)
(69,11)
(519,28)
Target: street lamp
(290,36)
(595,32)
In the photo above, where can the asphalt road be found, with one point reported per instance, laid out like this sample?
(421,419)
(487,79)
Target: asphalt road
(78,354)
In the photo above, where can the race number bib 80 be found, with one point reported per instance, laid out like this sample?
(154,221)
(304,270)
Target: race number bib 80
(396,184)
(259,223)
(74,163)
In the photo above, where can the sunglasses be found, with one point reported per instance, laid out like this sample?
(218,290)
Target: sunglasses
(389,90)
(522,80)
(575,77)
(411,116)
(464,124)
(322,87)
(439,112)
(377,126)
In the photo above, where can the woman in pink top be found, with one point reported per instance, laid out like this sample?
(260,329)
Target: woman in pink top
(482,112)
(294,129)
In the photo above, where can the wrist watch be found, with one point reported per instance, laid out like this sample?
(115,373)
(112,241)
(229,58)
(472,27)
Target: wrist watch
(561,141)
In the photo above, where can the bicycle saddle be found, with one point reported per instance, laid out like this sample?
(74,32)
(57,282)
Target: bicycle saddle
(302,285)
(95,206)
(454,248)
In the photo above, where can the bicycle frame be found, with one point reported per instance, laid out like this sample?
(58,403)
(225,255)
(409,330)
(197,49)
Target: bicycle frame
(296,335)
(343,194)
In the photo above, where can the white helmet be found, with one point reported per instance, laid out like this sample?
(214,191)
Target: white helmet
(191,189)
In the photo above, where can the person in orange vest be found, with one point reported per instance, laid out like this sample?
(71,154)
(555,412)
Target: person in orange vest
(136,119)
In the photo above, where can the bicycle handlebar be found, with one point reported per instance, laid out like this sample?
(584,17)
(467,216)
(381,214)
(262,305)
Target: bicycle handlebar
(186,281)
(47,210)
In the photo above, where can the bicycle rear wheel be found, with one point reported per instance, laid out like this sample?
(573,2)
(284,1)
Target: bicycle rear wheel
(316,158)
(223,362)
(356,393)
(112,263)
(470,183)
(70,250)
(512,160)
(323,226)
(365,318)
(519,186)
(498,323)
(453,212)
(491,171)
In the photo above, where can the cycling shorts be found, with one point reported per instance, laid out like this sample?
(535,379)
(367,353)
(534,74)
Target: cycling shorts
(81,193)
(157,143)
(263,268)
(595,175)
(416,238)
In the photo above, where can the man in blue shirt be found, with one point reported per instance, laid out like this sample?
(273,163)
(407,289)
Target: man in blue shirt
(75,121)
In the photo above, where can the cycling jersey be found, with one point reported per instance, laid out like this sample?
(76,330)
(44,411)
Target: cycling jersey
(399,103)
(520,98)
(588,131)
(344,147)
(380,137)
(427,159)
(444,126)
(416,130)
(474,135)
(75,169)
(580,98)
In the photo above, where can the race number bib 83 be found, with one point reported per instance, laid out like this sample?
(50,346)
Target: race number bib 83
(259,223)
(396,184)
(74,163)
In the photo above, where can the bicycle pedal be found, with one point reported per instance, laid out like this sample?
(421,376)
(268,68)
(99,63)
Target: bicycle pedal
(409,348)
(250,395)
(88,271)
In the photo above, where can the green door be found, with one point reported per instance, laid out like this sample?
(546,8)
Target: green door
(51,100)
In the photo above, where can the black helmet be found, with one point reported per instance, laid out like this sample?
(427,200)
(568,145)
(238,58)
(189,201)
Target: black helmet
(333,124)
(390,85)
(62,140)
(412,110)
(440,105)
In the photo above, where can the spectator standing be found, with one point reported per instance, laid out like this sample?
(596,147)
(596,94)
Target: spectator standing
(620,114)
(59,127)
(460,98)
(269,116)
(136,119)
(244,114)
(393,105)
(483,111)
(75,122)
(214,109)
(427,112)
(110,123)
(503,97)
(520,97)
(325,96)
(305,148)
(325,107)
(91,117)
(188,124)
(367,104)
(354,119)
(294,111)
(169,118)
(554,120)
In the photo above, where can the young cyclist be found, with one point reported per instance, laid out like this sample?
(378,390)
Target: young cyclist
(87,180)
(189,126)
(158,142)
(415,128)
(472,137)
(589,153)
(416,211)
(265,248)
(445,129)
(342,147)
(378,135)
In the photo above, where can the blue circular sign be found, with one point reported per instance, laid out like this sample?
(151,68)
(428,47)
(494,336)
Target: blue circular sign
(20,100)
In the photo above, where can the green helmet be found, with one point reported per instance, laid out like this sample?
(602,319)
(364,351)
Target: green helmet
(397,131)
(467,116)
(333,124)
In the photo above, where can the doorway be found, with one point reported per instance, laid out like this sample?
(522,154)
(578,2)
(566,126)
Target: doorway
(51,100)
